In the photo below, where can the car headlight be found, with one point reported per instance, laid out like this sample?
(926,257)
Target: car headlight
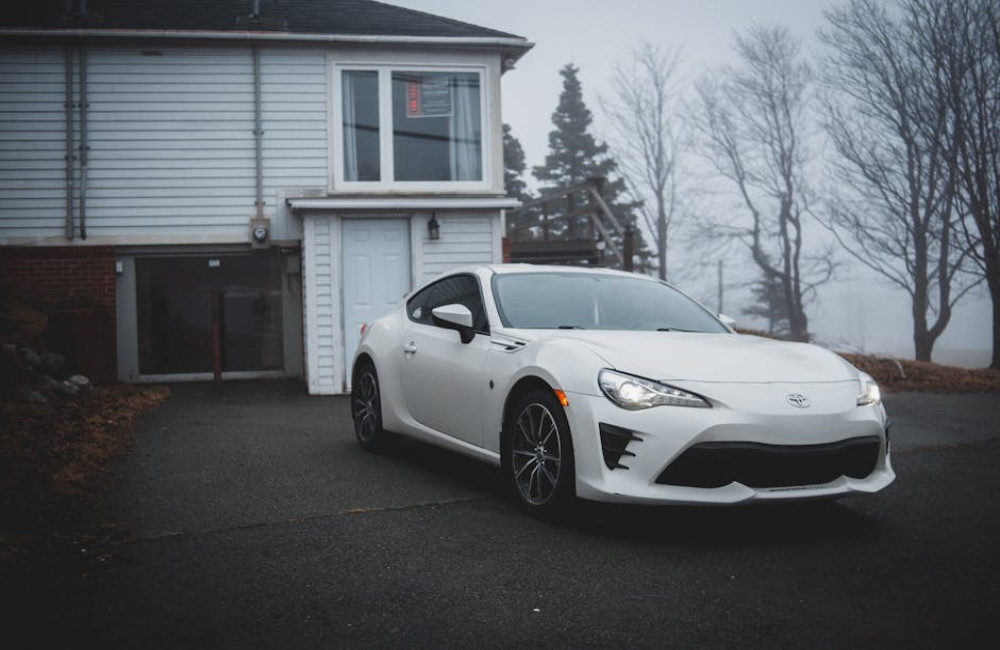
(870,393)
(635,393)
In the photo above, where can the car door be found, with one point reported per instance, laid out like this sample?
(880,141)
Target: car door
(442,378)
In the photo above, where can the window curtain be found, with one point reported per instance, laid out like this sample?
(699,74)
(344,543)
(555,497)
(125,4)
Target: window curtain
(466,162)
(350,127)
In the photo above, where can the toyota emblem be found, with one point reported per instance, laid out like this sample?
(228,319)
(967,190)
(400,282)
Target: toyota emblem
(798,400)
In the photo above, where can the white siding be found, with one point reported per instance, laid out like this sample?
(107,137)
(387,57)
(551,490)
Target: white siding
(32,143)
(171,141)
(321,305)
(466,238)
(294,103)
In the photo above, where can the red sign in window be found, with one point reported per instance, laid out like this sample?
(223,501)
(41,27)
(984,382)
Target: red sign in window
(429,96)
(413,99)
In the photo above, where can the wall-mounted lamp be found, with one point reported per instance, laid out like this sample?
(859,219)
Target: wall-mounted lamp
(433,227)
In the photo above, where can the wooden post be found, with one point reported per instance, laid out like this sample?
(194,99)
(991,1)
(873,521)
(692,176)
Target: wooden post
(591,217)
(571,221)
(720,286)
(217,337)
(627,246)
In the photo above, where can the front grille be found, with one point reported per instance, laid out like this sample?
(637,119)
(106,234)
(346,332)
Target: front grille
(715,464)
(614,441)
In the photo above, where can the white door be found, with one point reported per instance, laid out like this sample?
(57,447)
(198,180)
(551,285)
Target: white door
(376,259)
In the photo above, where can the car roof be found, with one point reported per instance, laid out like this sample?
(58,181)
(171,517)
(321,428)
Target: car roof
(508,269)
(515,269)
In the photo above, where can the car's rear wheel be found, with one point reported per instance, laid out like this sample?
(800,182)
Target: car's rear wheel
(537,454)
(366,409)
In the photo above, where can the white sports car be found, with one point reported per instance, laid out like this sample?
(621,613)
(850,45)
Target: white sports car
(615,387)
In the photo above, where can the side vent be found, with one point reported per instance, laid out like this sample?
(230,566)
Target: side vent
(506,343)
(614,443)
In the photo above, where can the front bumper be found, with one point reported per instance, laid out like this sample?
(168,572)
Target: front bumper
(751,446)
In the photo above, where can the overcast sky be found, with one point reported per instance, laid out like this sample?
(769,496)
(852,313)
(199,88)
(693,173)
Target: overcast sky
(597,34)
(857,310)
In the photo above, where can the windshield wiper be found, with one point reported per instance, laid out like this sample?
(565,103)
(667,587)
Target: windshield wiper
(672,329)
(571,327)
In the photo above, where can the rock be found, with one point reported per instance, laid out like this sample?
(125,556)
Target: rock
(81,382)
(30,357)
(8,379)
(31,397)
(54,364)
(67,388)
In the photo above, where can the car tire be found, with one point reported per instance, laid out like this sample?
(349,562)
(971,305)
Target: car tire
(537,455)
(366,409)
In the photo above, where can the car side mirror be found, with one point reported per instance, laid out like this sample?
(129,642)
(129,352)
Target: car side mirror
(728,321)
(454,317)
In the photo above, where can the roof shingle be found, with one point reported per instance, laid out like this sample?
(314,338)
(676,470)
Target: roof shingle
(335,17)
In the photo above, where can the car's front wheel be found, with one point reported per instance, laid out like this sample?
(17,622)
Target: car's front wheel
(537,454)
(366,409)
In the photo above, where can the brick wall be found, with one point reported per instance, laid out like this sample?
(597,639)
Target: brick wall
(55,277)
(75,286)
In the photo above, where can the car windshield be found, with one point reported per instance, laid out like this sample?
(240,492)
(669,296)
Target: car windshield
(596,301)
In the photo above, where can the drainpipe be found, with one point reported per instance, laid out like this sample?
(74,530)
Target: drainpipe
(258,132)
(68,107)
(83,143)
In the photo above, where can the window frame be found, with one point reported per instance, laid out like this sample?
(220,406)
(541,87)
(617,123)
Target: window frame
(387,182)
(430,287)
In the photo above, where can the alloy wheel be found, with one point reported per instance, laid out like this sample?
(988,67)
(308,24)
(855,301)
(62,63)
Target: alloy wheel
(366,407)
(536,454)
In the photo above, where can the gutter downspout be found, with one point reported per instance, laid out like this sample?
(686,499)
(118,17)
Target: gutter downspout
(83,142)
(70,229)
(258,133)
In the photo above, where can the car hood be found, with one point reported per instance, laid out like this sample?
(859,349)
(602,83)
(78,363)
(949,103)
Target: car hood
(683,356)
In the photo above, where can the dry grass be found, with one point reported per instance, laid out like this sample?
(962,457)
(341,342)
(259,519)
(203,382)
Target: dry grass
(54,459)
(904,375)
(900,375)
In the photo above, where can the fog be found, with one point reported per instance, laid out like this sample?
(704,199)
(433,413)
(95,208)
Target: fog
(857,310)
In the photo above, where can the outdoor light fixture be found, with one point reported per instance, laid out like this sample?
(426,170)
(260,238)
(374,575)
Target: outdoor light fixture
(433,227)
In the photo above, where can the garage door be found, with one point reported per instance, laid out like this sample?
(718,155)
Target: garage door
(376,260)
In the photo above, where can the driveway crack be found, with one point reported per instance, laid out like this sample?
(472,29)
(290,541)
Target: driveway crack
(349,512)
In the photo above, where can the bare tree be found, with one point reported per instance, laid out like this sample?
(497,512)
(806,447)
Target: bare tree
(963,39)
(754,127)
(890,122)
(644,119)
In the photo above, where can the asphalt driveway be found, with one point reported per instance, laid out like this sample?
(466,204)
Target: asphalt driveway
(258,522)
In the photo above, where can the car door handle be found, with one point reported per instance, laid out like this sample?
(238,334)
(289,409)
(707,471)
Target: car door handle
(410,349)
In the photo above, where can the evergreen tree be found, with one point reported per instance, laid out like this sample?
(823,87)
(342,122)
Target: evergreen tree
(514,166)
(575,156)
(770,306)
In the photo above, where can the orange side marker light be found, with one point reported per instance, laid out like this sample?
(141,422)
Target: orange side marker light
(561,396)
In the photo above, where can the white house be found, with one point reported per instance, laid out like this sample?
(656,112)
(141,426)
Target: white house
(276,171)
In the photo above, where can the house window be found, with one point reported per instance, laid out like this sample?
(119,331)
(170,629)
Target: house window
(411,126)
(361,132)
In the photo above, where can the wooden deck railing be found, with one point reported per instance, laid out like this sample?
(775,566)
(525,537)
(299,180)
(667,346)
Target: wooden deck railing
(571,224)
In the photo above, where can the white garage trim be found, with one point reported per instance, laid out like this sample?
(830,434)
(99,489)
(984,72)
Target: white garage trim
(404,203)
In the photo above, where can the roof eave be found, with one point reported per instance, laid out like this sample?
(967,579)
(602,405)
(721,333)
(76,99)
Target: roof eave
(513,47)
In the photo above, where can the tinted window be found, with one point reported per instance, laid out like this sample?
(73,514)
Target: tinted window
(436,130)
(568,300)
(457,289)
